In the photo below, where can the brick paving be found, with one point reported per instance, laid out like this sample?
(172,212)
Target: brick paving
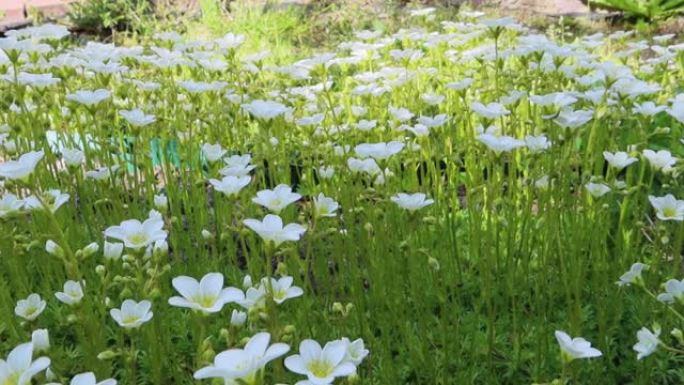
(13,12)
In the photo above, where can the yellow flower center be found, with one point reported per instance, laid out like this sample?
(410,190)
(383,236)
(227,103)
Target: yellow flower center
(130,319)
(30,310)
(138,238)
(13,379)
(320,368)
(279,294)
(206,300)
(669,212)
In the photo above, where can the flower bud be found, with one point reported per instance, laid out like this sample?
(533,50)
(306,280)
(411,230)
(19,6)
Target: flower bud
(91,249)
(161,248)
(161,202)
(113,251)
(238,318)
(40,340)
(107,355)
(247,282)
(54,249)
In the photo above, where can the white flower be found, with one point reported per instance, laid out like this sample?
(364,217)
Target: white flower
(73,157)
(37,80)
(411,202)
(40,339)
(325,206)
(619,160)
(22,167)
(434,121)
(310,120)
(113,251)
(366,125)
(661,160)
(244,364)
(89,98)
(9,203)
(30,308)
(271,229)
(368,166)
(568,118)
(432,99)
(255,297)
(633,275)
(597,190)
(72,294)
(490,111)
(674,290)
(668,208)
(89,379)
(198,87)
(648,108)
(20,367)
(52,200)
(230,185)
(230,41)
(137,117)
(237,165)
(356,351)
(101,173)
(207,295)
(281,289)
(558,99)
(321,365)
(537,143)
(46,31)
(460,85)
(213,152)
(647,342)
(277,199)
(266,109)
(573,348)
(677,109)
(326,172)
(400,114)
(500,144)
(378,151)
(132,314)
(136,235)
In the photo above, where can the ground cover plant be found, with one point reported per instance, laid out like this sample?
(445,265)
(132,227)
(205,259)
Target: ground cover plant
(462,201)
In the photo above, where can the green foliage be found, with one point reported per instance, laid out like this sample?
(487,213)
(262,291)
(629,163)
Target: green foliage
(648,9)
(106,16)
